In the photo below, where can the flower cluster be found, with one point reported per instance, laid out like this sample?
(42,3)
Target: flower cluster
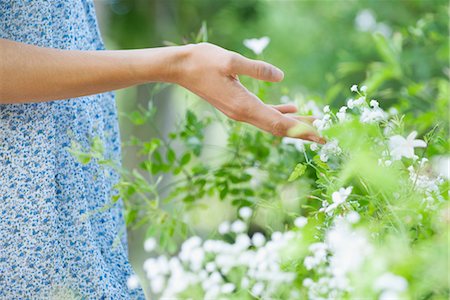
(218,268)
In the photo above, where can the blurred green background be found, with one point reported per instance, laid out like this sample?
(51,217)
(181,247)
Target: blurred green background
(399,49)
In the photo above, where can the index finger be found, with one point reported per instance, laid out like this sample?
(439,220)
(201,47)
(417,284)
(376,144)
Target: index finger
(256,68)
(269,119)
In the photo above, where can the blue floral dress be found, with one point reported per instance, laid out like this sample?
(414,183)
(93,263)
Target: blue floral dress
(48,248)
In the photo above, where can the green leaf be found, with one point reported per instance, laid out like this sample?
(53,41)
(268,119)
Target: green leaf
(223,192)
(298,171)
(171,156)
(185,159)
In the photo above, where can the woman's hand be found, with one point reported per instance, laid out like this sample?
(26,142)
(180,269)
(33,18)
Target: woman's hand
(212,73)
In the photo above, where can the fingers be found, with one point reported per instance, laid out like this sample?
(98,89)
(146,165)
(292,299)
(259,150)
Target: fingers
(285,108)
(255,68)
(306,119)
(276,122)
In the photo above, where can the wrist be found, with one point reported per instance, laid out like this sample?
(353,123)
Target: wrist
(164,64)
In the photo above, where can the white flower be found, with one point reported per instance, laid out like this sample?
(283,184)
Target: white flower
(374,103)
(365,20)
(372,115)
(133,282)
(258,288)
(338,198)
(342,115)
(257,45)
(307,282)
(224,227)
(393,111)
(384,29)
(349,248)
(363,89)
(310,108)
(150,244)
(245,212)
(313,147)
(228,288)
(298,143)
(330,148)
(238,226)
(354,88)
(401,147)
(300,222)
(258,239)
(326,109)
(245,282)
(351,103)
(322,124)
(352,217)
(391,282)
(157,284)
(441,165)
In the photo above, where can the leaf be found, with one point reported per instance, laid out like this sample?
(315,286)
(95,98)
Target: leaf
(223,193)
(131,216)
(185,159)
(171,156)
(241,202)
(298,171)
(189,199)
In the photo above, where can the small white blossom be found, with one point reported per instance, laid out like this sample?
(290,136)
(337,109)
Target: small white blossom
(401,147)
(329,149)
(149,244)
(393,111)
(374,103)
(228,288)
(238,226)
(342,115)
(300,222)
(224,227)
(338,198)
(133,282)
(373,115)
(245,212)
(245,282)
(314,147)
(354,88)
(157,284)
(257,45)
(363,89)
(258,288)
(323,124)
(349,248)
(258,239)
(298,143)
(352,217)
(391,282)
(365,20)
(326,109)
(441,165)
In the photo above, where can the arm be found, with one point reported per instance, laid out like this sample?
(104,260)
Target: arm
(30,73)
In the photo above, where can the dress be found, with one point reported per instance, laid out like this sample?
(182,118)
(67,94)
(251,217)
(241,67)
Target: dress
(48,249)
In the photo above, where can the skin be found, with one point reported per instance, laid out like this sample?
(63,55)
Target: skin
(35,74)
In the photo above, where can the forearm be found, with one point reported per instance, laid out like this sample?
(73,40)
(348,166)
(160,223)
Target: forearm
(35,74)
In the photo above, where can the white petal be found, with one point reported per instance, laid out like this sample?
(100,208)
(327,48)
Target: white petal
(419,143)
(412,136)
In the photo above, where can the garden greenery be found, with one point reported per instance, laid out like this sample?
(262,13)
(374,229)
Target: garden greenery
(370,217)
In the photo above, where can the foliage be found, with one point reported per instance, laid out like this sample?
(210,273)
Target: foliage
(371,214)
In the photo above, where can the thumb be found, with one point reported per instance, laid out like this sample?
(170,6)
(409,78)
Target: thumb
(257,69)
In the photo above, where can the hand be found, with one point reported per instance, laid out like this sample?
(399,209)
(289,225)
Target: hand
(212,73)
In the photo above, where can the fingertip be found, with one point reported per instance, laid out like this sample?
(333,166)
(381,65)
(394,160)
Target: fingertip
(278,75)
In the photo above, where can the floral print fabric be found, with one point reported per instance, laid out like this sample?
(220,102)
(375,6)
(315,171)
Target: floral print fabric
(49,249)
